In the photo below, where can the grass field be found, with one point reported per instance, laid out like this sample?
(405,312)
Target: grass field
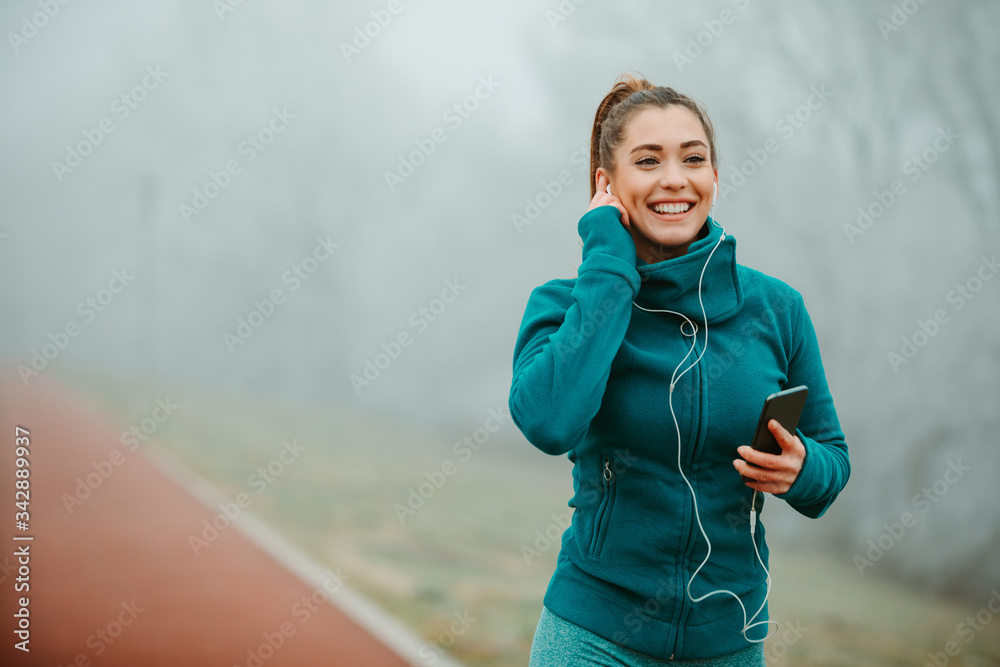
(461,551)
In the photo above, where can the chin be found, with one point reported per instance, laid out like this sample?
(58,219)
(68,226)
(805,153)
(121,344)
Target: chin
(668,241)
(667,246)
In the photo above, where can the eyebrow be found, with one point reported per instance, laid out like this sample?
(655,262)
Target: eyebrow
(657,147)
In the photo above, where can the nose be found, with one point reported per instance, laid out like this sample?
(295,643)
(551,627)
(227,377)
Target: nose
(671,176)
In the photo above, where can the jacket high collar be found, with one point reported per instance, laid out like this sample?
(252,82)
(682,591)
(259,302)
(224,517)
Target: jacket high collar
(673,283)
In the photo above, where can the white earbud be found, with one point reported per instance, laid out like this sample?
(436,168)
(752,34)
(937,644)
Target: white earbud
(609,189)
(715,192)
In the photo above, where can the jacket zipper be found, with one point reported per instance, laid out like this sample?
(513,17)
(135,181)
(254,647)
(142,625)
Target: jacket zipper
(691,449)
(604,508)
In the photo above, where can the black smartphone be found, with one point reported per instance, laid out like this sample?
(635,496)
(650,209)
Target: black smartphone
(784,406)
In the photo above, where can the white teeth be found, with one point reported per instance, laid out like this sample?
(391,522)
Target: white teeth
(672,208)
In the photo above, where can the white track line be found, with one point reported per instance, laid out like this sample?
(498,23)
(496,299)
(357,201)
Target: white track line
(366,613)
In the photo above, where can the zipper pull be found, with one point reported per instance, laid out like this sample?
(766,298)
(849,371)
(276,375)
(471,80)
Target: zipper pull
(607,469)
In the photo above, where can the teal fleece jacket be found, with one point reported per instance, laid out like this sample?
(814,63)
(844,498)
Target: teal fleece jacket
(591,378)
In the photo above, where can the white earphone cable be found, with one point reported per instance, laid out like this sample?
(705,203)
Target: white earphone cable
(747,624)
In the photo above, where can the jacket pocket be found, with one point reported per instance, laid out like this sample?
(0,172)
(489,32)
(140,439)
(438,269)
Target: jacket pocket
(602,517)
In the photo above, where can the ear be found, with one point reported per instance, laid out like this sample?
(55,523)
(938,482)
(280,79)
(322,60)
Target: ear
(601,171)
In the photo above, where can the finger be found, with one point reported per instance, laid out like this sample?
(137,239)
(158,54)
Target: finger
(768,481)
(774,489)
(762,459)
(625,220)
(751,472)
(779,464)
(785,440)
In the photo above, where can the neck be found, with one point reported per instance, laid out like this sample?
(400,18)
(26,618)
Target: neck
(651,253)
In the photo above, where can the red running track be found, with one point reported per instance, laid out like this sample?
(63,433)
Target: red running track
(121,565)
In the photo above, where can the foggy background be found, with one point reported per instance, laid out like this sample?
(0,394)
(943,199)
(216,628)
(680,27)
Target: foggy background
(894,83)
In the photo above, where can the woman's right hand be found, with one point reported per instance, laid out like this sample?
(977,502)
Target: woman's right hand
(603,198)
(600,235)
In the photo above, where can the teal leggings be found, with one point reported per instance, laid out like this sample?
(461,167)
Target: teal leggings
(559,643)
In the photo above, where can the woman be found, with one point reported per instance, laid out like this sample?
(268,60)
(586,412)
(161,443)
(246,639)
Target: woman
(660,564)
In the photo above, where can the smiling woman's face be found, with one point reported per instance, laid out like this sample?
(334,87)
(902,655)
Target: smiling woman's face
(664,177)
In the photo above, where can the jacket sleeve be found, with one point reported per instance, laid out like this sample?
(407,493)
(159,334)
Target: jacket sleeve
(826,467)
(566,343)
